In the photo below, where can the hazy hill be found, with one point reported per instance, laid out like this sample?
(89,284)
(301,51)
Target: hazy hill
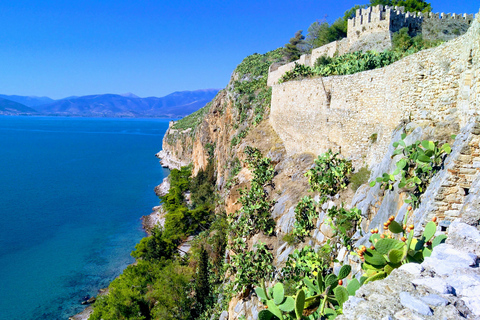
(176,104)
(8,107)
(29,101)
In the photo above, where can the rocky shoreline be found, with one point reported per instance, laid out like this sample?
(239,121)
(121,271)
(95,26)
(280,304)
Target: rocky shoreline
(157,217)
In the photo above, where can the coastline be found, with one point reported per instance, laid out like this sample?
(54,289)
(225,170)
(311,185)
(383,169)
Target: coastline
(157,217)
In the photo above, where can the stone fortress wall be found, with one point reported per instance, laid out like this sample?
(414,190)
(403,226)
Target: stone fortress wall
(358,113)
(372,28)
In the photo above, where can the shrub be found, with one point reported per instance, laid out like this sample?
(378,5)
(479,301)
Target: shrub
(330,173)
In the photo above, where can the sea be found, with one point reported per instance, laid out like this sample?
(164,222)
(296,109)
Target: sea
(72,192)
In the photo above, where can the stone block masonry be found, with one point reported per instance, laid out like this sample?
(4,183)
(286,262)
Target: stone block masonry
(372,29)
(439,85)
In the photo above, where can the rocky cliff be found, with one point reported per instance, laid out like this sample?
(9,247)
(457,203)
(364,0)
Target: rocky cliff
(431,95)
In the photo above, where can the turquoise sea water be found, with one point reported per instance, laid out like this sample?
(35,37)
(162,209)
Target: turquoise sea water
(72,191)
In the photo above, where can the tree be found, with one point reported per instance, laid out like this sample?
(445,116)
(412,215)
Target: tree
(291,51)
(202,284)
(410,5)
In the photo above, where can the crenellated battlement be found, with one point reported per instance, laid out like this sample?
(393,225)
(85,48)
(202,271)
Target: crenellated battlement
(391,19)
(372,29)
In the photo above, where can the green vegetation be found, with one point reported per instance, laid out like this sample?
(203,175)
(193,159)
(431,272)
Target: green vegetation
(291,50)
(252,96)
(324,295)
(344,224)
(399,247)
(419,163)
(254,216)
(330,173)
(249,267)
(358,178)
(350,63)
(410,5)
(305,216)
(162,284)
(192,120)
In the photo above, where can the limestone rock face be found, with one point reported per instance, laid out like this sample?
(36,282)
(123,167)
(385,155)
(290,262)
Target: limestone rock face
(444,286)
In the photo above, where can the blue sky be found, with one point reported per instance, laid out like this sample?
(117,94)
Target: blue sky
(150,48)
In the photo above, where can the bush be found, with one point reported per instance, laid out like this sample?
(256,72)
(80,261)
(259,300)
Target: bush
(330,173)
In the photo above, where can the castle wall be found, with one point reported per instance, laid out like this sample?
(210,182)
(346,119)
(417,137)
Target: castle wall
(440,85)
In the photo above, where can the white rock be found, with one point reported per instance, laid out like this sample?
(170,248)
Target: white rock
(412,268)
(437,284)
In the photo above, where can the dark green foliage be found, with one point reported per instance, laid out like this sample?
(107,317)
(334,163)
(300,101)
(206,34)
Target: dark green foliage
(299,71)
(410,5)
(402,42)
(419,163)
(154,247)
(322,33)
(255,213)
(344,223)
(202,284)
(251,267)
(323,61)
(291,50)
(253,71)
(304,263)
(330,173)
(147,290)
(202,186)
(350,63)
(358,178)
(305,216)
(251,90)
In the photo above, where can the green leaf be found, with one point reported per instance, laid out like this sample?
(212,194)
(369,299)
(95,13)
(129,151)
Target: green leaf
(423,158)
(310,285)
(278,293)
(426,252)
(404,135)
(373,237)
(402,143)
(428,145)
(372,184)
(330,280)
(388,269)
(446,147)
(265,315)
(344,271)
(288,305)
(299,303)
(438,239)
(383,246)
(362,280)
(272,307)
(320,282)
(395,144)
(395,227)
(374,258)
(378,276)
(261,293)
(352,286)
(395,256)
(330,314)
(401,163)
(341,294)
(429,231)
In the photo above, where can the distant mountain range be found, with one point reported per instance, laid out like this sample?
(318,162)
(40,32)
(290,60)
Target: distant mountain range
(177,104)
